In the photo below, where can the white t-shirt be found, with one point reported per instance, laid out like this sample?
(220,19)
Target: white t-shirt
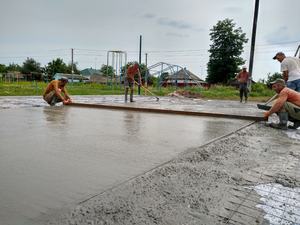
(292,64)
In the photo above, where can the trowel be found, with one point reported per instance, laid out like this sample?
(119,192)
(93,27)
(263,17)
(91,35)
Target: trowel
(266,106)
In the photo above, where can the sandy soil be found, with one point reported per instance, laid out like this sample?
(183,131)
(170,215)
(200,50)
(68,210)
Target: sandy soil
(212,184)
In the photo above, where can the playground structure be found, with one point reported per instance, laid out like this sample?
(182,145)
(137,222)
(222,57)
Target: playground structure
(116,59)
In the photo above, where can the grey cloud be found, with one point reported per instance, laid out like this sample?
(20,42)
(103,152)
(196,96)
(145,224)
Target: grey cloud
(233,9)
(149,15)
(279,35)
(173,23)
(178,35)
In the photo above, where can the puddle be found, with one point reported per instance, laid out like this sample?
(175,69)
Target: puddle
(281,204)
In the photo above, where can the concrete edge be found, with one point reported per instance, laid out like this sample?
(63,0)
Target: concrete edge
(168,111)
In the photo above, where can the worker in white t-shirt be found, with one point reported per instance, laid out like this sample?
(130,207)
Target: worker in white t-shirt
(290,68)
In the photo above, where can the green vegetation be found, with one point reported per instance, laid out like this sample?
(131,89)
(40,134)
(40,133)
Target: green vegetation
(225,51)
(259,92)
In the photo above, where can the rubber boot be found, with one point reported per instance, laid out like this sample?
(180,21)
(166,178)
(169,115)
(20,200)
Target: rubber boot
(131,95)
(296,123)
(283,120)
(126,93)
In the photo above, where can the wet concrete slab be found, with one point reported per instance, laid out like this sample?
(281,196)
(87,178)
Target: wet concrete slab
(171,103)
(53,157)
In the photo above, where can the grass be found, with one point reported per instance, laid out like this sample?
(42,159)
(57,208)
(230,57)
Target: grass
(25,88)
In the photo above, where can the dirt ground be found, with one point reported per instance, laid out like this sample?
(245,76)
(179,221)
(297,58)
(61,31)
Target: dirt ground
(211,184)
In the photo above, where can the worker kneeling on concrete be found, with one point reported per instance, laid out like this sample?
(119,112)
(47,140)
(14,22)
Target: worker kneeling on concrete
(56,92)
(286,106)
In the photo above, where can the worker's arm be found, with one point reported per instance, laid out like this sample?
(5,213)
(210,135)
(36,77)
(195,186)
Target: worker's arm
(285,75)
(58,91)
(67,96)
(277,105)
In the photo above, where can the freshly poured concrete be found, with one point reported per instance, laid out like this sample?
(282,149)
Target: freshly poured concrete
(54,157)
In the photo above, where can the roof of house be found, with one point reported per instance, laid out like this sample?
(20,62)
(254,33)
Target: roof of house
(90,71)
(98,78)
(184,74)
(70,76)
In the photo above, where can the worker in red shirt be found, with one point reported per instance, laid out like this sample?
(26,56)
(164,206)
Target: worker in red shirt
(132,70)
(243,78)
(287,106)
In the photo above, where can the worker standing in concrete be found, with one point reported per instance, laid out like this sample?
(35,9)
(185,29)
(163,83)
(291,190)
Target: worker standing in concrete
(243,78)
(290,68)
(56,92)
(132,70)
(287,106)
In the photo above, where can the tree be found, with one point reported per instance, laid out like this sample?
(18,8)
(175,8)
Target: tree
(3,68)
(12,67)
(31,66)
(75,70)
(32,69)
(56,66)
(273,77)
(225,51)
(107,70)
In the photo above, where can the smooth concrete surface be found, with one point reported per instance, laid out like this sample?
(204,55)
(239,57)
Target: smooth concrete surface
(54,157)
(171,103)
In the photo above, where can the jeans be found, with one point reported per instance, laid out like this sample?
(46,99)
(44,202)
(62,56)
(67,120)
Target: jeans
(295,85)
(243,91)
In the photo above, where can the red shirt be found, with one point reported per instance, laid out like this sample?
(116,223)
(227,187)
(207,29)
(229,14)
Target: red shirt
(132,70)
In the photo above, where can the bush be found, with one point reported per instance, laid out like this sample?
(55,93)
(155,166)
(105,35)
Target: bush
(261,89)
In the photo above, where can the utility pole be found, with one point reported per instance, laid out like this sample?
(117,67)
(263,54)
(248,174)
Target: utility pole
(140,61)
(146,74)
(72,54)
(256,7)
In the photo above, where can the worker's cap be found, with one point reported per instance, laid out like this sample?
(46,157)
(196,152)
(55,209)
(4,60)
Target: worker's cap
(277,54)
(278,81)
(244,67)
(64,79)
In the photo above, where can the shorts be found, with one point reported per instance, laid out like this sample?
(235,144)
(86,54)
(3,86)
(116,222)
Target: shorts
(293,110)
(51,98)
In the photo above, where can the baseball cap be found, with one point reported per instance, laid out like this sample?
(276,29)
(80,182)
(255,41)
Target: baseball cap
(64,79)
(278,81)
(244,67)
(278,53)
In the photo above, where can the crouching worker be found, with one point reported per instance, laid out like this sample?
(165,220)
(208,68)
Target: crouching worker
(56,92)
(286,106)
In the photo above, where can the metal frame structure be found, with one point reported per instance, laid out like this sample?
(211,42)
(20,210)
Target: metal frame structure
(116,59)
(297,52)
(164,67)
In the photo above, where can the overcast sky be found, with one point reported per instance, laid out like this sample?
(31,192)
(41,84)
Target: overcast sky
(174,31)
